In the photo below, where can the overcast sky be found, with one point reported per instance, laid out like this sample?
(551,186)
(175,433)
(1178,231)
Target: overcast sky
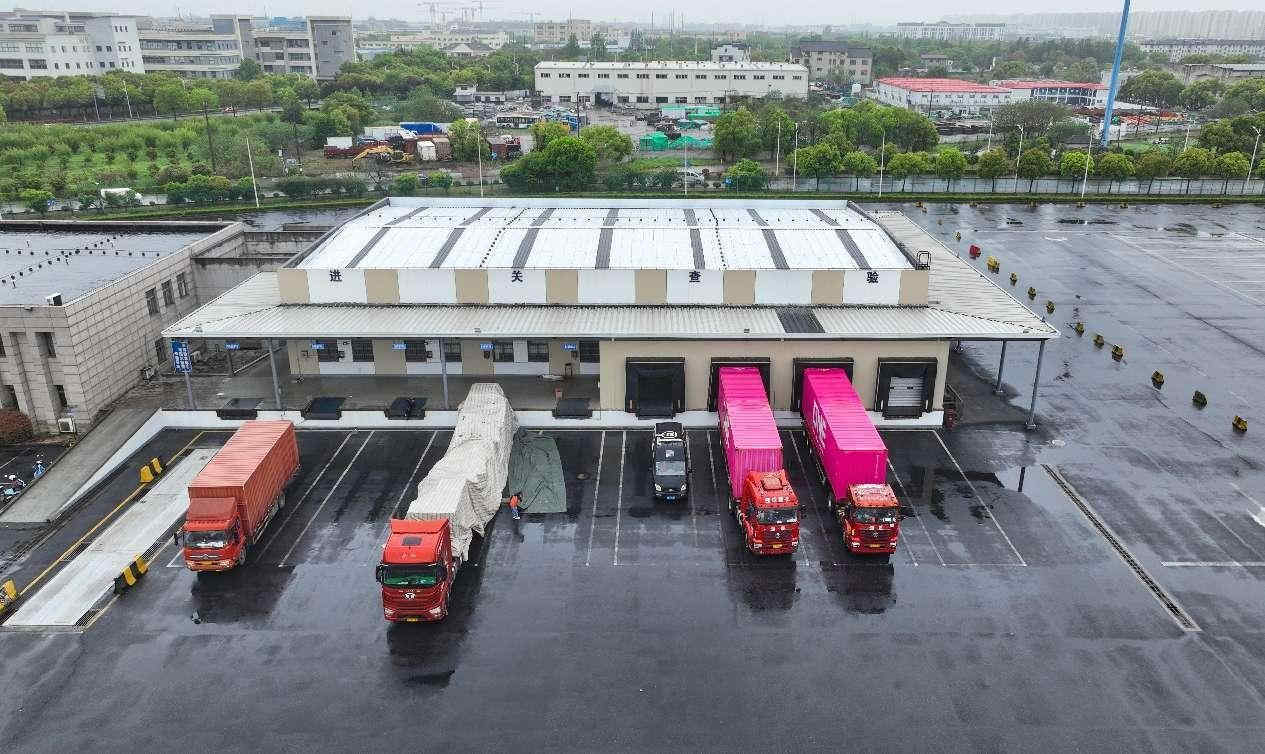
(722,12)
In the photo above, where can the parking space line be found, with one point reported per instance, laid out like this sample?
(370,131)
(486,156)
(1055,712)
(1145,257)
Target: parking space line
(821,524)
(711,459)
(904,491)
(409,483)
(1213,563)
(295,508)
(992,513)
(1184,268)
(619,497)
(330,494)
(597,486)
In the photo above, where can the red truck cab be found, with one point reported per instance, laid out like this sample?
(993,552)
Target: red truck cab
(870,519)
(768,513)
(213,539)
(417,570)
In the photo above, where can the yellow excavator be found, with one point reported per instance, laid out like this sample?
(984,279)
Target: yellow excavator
(385,154)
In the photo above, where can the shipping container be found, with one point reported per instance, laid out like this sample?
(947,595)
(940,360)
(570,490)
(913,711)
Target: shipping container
(251,470)
(423,127)
(747,428)
(841,433)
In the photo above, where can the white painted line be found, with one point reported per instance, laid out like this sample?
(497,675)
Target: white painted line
(690,477)
(330,494)
(711,459)
(294,507)
(901,483)
(1235,534)
(1213,563)
(619,499)
(992,513)
(409,484)
(597,486)
(813,503)
(1186,269)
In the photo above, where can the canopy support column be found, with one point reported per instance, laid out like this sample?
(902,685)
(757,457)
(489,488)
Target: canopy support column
(272,362)
(443,371)
(1000,366)
(1036,380)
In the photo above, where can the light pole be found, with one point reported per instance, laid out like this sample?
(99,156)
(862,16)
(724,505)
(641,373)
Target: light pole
(882,159)
(777,152)
(795,161)
(1252,164)
(478,149)
(1089,150)
(1018,156)
(990,131)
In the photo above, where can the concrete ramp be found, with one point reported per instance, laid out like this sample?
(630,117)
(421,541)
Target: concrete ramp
(50,495)
(83,581)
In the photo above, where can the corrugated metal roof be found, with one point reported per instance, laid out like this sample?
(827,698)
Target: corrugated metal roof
(252,310)
(627,234)
(955,286)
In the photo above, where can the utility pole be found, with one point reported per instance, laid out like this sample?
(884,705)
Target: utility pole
(210,142)
(251,161)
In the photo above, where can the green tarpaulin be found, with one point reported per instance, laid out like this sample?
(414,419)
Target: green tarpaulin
(536,471)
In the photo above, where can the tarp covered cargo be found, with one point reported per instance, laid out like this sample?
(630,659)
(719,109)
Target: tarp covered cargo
(465,485)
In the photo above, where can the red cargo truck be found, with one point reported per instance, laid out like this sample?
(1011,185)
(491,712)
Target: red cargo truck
(417,570)
(852,461)
(234,497)
(760,495)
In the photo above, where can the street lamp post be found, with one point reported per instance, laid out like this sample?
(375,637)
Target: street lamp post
(777,151)
(1089,150)
(882,159)
(795,161)
(1018,156)
(1252,164)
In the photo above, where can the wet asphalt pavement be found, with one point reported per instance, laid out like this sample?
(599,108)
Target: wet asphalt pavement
(1008,619)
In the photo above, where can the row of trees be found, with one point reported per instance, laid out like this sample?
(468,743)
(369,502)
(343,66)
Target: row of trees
(1162,89)
(746,133)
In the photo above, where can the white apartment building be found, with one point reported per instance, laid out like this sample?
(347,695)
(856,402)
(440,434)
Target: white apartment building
(947,31)
(650,85)
(735,52)
(191,52)
(941,98)
(315,46)
(1176,49)
(1070,93)
(54,43)
(559,32)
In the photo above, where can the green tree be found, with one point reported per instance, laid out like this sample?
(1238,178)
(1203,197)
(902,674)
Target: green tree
(905,164)
(776,129)
(859,164)
(1034,115)
(597,47)
(950,163)
(1153,164)
(468,141)
(37,200)
(610,144)
(1193,163)
(992,165)
(1201,95)
(1115,166)
(567,164)
(571,51)
(439,179)
(249,70)
(171,99)
(1033,164)
(1231,165)
(746,175)
(1154,87)
(323,124)
(1072,164)
(736,134)
(307,90)
(544,131)
(404,185)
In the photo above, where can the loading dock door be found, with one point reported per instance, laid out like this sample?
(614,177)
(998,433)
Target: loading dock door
(905,387)
(654,388)
(797,376)
(759,362)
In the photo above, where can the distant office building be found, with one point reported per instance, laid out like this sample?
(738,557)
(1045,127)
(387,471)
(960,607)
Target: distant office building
(1070,93)
(467,50)
(1176,24)
(190,52)
(560,32)
(1189,73)
(947,31)
(734,52)
(1176,49)
(823,58)
(56,43)
(942,98)
(663,82)
(315,46)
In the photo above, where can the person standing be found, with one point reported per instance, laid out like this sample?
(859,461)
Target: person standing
(514,502)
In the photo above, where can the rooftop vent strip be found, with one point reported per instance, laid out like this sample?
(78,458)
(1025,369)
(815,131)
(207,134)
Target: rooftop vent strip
(604,240)
(854,251)
(827,219)
(775,249)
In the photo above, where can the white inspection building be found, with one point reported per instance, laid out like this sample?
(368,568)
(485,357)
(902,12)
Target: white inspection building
(657,83)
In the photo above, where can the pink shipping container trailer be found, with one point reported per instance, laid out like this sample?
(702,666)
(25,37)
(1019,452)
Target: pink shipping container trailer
(747,428)
(845,440)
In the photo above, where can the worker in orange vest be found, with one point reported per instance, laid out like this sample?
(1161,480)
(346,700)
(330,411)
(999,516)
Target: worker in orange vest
(513,503)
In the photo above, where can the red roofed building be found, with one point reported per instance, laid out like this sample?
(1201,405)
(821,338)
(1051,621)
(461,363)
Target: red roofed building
(941,98)
(1070,93)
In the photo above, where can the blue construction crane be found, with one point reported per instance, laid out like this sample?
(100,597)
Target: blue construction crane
(1115,78)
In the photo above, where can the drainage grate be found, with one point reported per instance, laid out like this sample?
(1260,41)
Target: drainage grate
(1183,618)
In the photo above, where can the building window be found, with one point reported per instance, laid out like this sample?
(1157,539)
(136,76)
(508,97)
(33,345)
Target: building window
(415,351)
(622,100)
(10,397)
(361,349)
(621,75)
(328,351)
(660,99)
(588,352)
(700,100)
(603,75)
(643,99)
(661,75)
(700,75)
(168,297)
(38,64)
(538,350)
(503,351)
(151,300)
(640,75)
(62,403)
(720,76)
(2,353)
(452,351)
(564,98)
(160,350)
(682,100)
(682,76)
(544,75)
(47,347)
(182,285)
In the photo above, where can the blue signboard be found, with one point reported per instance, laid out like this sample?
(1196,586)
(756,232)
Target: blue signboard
(569,346)
(485,346)
(232,345)
(318,345)
(399,345)
(180,360)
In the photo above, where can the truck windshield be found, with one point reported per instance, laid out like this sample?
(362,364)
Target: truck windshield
(413,575)
(200,540)
(874,515)
(775,516)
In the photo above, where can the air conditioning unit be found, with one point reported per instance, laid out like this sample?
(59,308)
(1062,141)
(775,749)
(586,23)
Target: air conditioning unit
(53,299)
(66,425)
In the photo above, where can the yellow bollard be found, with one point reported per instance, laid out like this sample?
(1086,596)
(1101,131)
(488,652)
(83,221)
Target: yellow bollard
(1032,293)
(1079,327)
(1013,278)
(1239,424)
(1157,379)
(1099,340)
(156,465)
(147,475)
(1117,352)
(1049,307)
(1199,399)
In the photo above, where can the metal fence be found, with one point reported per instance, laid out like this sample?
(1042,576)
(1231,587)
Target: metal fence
(1041,186)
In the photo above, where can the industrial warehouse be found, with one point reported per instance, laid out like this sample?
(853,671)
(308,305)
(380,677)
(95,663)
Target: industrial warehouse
(637,302)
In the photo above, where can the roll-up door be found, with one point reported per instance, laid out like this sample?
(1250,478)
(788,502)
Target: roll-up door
(654,387)
(905,387)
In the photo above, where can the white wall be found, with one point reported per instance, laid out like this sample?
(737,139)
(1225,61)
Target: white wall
(786,286)
(710,288)
(503,289)
(427,286)
(321,290)
(858,290)
(608,287)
